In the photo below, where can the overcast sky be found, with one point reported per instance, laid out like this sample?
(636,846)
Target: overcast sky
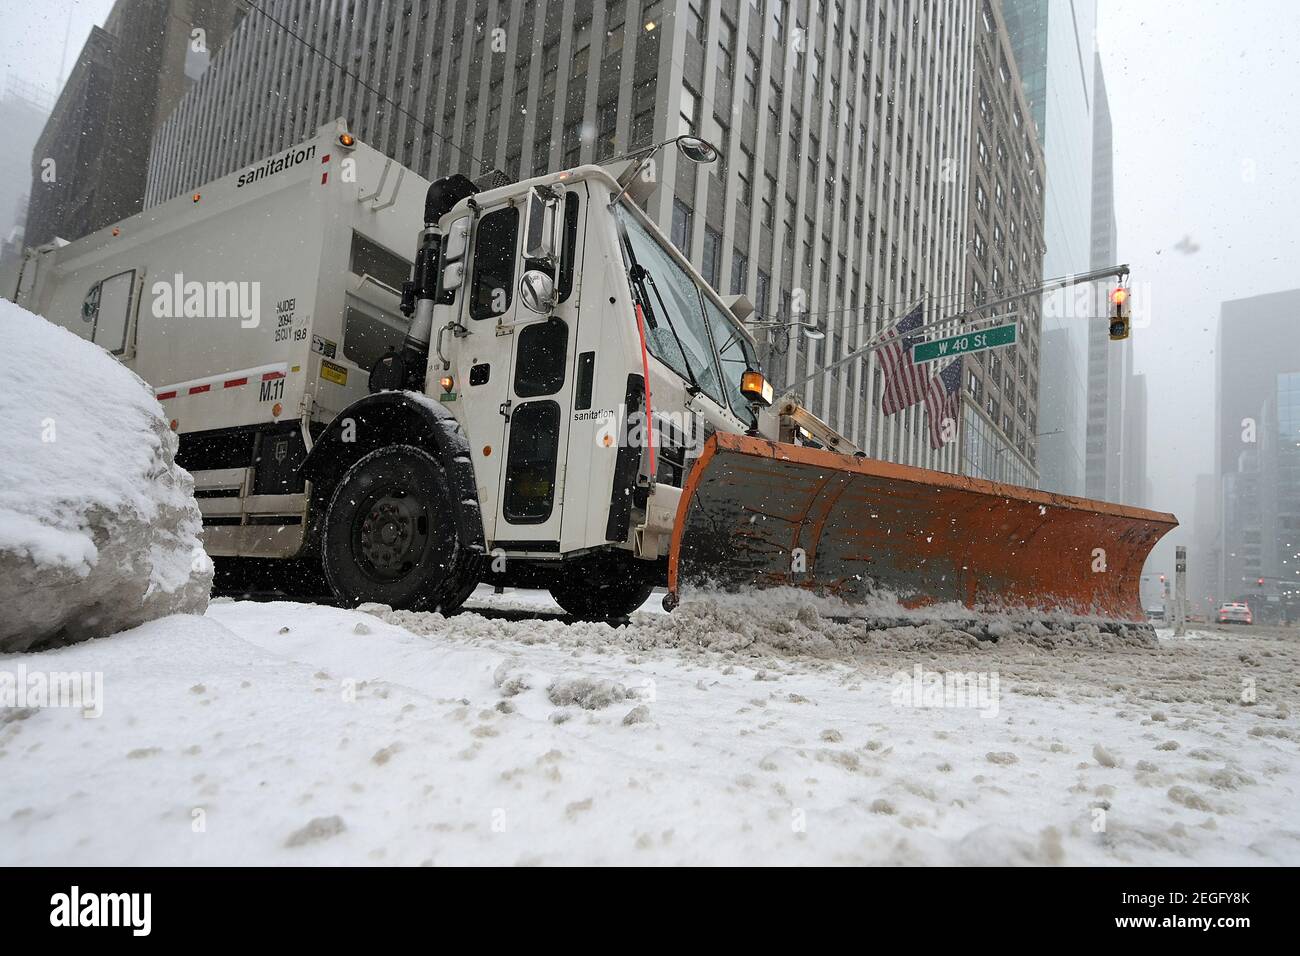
(1207,147)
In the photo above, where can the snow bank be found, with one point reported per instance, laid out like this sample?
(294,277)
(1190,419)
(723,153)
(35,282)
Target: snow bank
(99,530)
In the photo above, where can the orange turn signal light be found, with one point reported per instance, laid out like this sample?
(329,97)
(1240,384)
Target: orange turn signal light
(447,383)
(347,139)
(756,388)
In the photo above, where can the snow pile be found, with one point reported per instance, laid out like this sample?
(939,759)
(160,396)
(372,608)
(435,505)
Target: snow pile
(99,531)
(783,624)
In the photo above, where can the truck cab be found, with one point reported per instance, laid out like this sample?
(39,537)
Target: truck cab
(580,363)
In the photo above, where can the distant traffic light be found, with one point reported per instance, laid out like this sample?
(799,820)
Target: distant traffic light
(1260,582)
(1119,320)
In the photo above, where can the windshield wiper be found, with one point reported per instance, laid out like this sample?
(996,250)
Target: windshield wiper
(640,276)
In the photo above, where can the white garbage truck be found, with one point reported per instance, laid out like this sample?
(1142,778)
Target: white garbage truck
(418,387)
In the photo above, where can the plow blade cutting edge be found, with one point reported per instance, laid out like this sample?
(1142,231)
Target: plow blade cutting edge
(862,525)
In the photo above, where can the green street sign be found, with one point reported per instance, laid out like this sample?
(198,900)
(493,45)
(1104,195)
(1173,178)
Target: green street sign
(992,338)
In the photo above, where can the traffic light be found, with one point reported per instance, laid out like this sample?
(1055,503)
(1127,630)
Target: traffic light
(1260,582)
(1119,320)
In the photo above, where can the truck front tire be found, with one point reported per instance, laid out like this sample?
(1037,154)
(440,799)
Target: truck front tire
(390,535)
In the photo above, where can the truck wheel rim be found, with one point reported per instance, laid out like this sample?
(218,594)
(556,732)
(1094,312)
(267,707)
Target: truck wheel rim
(391,532)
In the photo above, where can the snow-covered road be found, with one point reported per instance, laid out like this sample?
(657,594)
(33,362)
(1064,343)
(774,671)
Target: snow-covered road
(727,732)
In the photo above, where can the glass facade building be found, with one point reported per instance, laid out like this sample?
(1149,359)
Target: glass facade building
(1256,527)
(1054,47)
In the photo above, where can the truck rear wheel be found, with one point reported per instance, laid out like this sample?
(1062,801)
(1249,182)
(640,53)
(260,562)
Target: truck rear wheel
(391,537)
(608,590)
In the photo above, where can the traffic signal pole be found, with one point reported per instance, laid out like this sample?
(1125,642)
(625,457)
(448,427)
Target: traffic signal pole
(1180,591)
(887,334)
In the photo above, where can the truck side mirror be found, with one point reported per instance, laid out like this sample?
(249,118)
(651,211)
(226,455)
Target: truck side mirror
(537,290)
(542,234)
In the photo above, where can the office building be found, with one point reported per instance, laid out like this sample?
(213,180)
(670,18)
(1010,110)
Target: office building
(89,166)
(1053,46)
(1004,252)
(1257,452)
(835,201)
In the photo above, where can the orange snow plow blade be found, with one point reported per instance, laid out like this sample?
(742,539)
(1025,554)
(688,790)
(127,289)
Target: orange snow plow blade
(928,537)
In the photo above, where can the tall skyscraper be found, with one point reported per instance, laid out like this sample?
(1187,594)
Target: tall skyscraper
(1257,452)
(1110,364)
(1004,251)
(1053,44)
(89,166)
(839,198)
(1136,487)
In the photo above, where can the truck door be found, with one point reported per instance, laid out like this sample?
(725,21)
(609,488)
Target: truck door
(540,399)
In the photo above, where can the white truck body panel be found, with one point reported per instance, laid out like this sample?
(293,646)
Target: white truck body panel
(285,241)
(249,302)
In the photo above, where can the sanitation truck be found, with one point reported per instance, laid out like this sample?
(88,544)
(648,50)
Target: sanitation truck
(418,387)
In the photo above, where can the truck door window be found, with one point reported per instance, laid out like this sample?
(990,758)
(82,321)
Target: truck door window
(570,251)
(676,333)
(539,367)
(108,307)
(530,462)
(494,264)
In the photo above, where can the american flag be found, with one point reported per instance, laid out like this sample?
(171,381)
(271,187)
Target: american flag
(904,382)
(942,400)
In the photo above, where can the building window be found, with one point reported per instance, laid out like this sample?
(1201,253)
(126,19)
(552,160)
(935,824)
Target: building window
(681,228)
(696,17)
(550,66)
(723,142)
(710,256)
(643,114)
(606,129)
(726,47)
(739,272)
(541,157)
(572,145)
(688,110)
(751,79)
(746,176)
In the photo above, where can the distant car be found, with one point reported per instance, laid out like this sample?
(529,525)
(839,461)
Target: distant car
(1156,613)
(1235,613)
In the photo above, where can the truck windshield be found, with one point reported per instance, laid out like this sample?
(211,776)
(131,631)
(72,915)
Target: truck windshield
(684,329)
(675,331)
